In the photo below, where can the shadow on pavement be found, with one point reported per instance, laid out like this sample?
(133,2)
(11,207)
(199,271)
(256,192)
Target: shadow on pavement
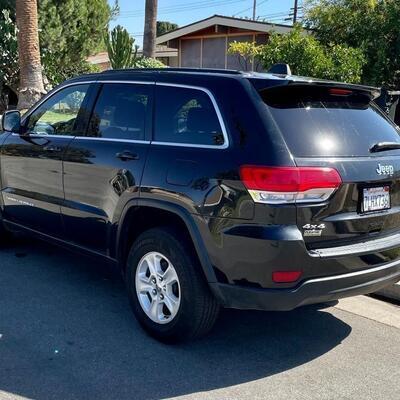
(67,332)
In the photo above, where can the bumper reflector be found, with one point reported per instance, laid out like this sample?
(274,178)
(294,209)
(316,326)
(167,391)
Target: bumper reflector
(286,276)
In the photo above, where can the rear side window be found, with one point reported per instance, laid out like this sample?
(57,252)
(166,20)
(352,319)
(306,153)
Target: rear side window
(315,123)
(186,116)
(120,112)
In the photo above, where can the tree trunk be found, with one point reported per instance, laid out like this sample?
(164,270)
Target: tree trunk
(31,81)
(150,29)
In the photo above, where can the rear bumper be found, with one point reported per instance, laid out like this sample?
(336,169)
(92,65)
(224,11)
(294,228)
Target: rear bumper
(311,291)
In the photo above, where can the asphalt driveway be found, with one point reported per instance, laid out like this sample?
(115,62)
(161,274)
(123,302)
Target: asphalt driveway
(66,332)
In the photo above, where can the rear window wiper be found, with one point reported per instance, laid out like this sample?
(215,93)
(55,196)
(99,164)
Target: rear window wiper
(384,146)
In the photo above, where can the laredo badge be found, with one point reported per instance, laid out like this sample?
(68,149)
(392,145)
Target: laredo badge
(313,230)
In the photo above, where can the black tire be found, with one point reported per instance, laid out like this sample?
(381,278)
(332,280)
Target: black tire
(198,308)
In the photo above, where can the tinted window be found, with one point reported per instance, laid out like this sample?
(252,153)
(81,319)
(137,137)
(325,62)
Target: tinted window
(120,112)
(58,115)
(186,115)
(316,124)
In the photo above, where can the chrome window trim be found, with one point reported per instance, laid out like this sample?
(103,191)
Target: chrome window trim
(130,82)
(41,135)
(113,139)
(223,146)
(45,98)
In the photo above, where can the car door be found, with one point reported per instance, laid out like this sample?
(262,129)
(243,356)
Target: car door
(31,166)
(103,169)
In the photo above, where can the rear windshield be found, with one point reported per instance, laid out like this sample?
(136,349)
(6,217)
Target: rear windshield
(315,122)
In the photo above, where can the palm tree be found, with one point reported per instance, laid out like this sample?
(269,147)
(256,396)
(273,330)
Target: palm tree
(31,81)
(150,29)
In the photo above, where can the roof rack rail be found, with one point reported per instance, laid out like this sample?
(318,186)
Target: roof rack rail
(176,69)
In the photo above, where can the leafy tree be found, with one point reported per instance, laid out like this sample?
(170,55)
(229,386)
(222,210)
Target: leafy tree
(247,53)
(9,67)
(8,5)
(307,56)
(69,31)
(370,25)
(165,27)
(8,49)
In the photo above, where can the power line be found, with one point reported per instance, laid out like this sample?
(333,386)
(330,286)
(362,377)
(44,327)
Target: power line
(181,7)
(171,7)
(249,8)
(279,14)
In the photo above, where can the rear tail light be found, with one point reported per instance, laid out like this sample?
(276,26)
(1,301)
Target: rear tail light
(286,276)
(275,185)
(340,92)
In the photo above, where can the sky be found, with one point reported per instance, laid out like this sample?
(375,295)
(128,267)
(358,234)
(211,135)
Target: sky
(184,12)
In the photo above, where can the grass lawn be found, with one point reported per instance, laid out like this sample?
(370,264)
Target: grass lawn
(52,117)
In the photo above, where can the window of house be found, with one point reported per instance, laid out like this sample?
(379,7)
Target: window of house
(187,116)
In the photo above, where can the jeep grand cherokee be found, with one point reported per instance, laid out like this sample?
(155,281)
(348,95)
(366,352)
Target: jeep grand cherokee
(211,188)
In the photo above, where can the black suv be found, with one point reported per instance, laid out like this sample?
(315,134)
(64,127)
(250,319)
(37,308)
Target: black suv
(211,188)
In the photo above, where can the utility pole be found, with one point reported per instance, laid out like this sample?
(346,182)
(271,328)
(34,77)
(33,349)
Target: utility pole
(296,6)
(254,9)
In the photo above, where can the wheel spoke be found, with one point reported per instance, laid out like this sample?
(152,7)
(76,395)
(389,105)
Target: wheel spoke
(170,276)
(151,263)
(144,285)
(171,302)
(155,310)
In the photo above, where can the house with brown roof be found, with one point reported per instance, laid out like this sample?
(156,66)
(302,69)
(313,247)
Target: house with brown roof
(205,43)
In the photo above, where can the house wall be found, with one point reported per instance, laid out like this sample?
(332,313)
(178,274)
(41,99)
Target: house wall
(209,48)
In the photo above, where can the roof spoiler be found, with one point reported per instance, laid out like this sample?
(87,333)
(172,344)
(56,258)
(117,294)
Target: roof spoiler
(280,69)
(298,82)
(369,91)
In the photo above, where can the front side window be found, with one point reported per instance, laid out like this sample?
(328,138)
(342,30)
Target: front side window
(58,115)
(186,116)
(120,111)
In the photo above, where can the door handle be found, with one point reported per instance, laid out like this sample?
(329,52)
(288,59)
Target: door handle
(52,148)
(127,155)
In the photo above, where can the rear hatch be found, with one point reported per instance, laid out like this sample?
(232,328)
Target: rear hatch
(339,127)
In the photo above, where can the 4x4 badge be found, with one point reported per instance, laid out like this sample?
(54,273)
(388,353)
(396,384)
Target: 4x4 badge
(313,230)
(385,169)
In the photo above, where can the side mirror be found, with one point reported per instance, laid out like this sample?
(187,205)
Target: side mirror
(11,121)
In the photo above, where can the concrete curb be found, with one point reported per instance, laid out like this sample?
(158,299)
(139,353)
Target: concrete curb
(391,292)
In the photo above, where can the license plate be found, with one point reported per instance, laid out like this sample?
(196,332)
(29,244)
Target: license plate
(376,199)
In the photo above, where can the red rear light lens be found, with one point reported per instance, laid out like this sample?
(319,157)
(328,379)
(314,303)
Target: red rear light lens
(289,184)
(286,276)
(340,92)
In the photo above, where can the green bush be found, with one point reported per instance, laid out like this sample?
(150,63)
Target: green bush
(305,55)
(308,57)
(144,62)
(370,25)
